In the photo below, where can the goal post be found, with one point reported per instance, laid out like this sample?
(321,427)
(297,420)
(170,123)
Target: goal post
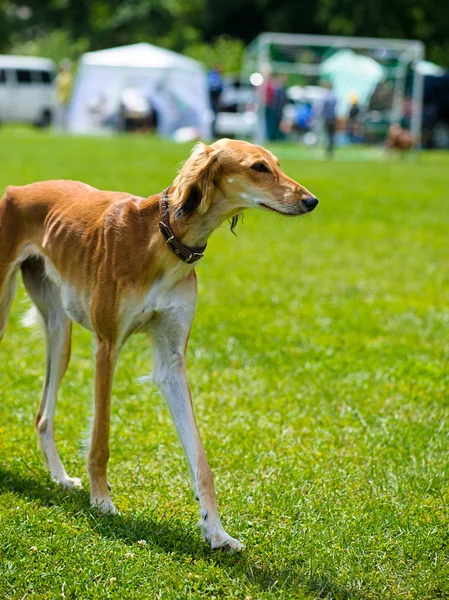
(301,58)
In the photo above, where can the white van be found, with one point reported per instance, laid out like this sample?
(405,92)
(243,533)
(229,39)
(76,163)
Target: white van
(26,90)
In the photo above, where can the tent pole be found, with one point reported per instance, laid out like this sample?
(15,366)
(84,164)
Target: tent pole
(397,109)
(263,65)
(418,92)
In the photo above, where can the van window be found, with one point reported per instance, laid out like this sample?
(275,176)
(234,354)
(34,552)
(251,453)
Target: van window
(2,76)
(23,76)
(46,77)
(41,77)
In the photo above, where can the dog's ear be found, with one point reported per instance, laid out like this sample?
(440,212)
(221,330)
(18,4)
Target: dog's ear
(194,186)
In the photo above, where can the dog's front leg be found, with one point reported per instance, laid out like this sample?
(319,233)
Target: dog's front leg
(99,448)
(171,335)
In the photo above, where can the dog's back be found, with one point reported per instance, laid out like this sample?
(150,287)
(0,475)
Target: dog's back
(65,221)
(33,204)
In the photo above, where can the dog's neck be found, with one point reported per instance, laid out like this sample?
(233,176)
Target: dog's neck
(196,230)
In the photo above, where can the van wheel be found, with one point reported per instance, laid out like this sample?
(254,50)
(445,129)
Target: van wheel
(45,119)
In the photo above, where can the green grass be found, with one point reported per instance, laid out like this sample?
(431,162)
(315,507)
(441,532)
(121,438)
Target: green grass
(318,366)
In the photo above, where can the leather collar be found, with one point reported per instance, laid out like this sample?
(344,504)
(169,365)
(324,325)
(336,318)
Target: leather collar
(185,253)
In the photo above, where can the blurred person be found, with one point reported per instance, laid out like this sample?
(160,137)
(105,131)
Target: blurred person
(63,92)
(407,112)
(329,115)
(304,116)
(353,125)
(269,98)
(280,100)
(215,83)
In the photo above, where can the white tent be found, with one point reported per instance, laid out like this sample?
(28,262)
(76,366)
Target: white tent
(351,74)
(425,67)
(175,85)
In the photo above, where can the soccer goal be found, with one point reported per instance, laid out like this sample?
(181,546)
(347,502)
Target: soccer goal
(383,74)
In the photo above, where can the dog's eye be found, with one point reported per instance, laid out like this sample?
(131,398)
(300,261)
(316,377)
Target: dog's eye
(260,167)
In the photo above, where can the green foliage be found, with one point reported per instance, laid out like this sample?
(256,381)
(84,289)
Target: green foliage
(225,52)
(318,365)
(420,19)
(56,45)
(204,27)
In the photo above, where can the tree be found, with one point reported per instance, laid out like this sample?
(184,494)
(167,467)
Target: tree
(189,24)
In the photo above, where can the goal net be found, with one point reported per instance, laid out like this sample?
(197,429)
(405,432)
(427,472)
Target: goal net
(381,76)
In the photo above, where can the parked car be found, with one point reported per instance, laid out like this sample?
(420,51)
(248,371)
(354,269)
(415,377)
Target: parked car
(26,90)
(237,110)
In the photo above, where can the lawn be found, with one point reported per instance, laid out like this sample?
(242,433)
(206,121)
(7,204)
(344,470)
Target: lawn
(318,367)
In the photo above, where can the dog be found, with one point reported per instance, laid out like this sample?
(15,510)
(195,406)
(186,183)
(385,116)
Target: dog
(399,139)
(119,264)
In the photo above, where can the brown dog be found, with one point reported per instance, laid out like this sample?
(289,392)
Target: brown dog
(120,264)
(399,139)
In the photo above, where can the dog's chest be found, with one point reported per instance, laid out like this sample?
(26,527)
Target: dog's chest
(139,313)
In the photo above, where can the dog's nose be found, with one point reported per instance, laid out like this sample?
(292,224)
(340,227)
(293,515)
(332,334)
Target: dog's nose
(310,203)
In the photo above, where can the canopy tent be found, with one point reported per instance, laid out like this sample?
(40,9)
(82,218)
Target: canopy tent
(425,67)
(352,76)
(301,58)
(175,86)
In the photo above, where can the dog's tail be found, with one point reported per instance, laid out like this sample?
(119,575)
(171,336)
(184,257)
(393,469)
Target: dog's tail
(32,318)
(7,248)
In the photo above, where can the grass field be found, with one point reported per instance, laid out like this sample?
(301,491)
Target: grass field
(318,366)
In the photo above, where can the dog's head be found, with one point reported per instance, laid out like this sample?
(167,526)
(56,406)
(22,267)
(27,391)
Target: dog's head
(230,176)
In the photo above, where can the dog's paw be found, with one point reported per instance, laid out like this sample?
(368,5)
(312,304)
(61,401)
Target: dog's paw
(104,506)
(220,539)
(230,544)
(71,483)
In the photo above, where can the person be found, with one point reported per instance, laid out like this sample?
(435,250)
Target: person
(303,117)
(63,91)
(407,112)
(353,127)
(215,83)
(329,114)
(269,90)
(280,100)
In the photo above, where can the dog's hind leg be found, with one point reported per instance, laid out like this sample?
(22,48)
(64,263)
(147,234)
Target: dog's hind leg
(58,329)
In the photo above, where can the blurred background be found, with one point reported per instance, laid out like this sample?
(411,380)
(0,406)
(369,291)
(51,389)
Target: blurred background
(328,74)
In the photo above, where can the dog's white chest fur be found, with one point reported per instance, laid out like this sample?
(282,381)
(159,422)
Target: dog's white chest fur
(138,313)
